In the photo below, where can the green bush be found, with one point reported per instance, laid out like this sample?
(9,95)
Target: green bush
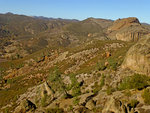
(135,81)
(102,81)
(146,96)
(19,66)
(76,100)
(71,108)
(112,64)
(133,103)
(2,72)
(101,66)
(76,91)
(55,75)
(10,81)
(127,93)
(75,85)
(110,90)
(97,87)
(56,81)
(55,110)
(6,110)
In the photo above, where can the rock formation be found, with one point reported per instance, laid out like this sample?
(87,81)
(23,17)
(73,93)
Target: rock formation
(138,57)
(127,29)
(25,107)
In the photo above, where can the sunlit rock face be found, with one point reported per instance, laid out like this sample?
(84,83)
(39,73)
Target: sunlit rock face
(127,29)
(138,57)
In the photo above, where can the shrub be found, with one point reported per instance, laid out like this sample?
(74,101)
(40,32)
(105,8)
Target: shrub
(146,96)
(76,100)
(6,110)
(97,109)
(99,86)
(112,64)
(102,81)
(127,93)
(110,90)
(10,81)
(71,108)
(101,66)
(69,87)
(56,81)
(75,85)
(19,66)
(55,75)
(135,81)
(76,91)
(18,56)
(2,72)
(55,110)
(132,104)
(96,88)
(99,74)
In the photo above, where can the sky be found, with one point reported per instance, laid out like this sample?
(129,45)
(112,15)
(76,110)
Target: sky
(79,9)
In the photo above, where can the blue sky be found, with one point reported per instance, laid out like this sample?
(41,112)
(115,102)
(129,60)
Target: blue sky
(79,9)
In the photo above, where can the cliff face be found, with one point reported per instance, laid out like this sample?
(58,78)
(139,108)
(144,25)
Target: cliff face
(127,29)
(138,57)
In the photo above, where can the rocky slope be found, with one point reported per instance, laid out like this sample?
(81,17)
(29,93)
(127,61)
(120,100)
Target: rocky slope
(75,67)
(87,79)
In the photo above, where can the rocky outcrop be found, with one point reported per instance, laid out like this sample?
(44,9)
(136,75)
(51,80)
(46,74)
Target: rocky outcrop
(46,89)
(112,106)
(26,106)
(116,106)
(138,57)
(127,29)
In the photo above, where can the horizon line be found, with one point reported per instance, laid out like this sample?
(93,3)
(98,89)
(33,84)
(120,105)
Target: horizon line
(21,14)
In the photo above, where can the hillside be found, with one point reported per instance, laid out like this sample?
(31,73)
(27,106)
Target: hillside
(26,35)
(67,66)
(24,31)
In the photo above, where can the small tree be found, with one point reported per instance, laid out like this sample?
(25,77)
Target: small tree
(55,78)
(146,96)
(112,64)
(101,65)
(135,81)
(75,85)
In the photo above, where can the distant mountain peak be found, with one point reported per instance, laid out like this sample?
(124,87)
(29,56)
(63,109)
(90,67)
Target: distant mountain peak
(9,13)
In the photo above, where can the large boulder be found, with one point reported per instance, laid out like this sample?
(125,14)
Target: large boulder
(26,106)
(138,57)
(113,106)
(127,29)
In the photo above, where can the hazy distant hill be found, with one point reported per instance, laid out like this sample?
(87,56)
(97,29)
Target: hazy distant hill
(34,33)
(24,28)
(146,25)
